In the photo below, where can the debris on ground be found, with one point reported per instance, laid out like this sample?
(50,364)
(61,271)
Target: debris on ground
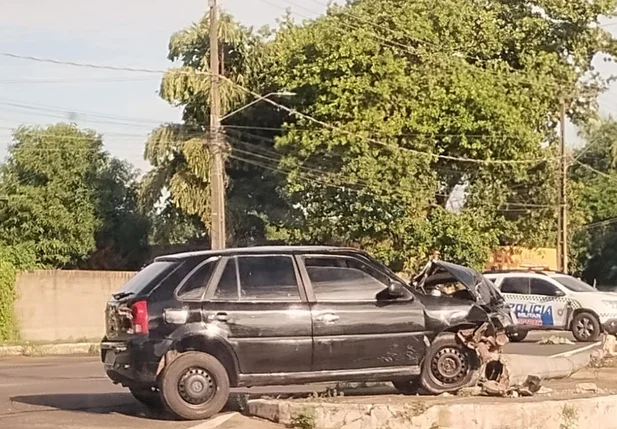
(470,391)
(609,345)
(555,340)
(587,388)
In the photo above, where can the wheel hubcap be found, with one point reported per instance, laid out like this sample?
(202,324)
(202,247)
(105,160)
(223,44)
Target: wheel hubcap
(449,366)
(196,386)
(585,327)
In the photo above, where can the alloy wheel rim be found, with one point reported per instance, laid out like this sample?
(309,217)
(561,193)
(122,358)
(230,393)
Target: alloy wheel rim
(196,386)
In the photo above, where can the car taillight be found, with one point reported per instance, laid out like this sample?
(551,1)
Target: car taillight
(140,317)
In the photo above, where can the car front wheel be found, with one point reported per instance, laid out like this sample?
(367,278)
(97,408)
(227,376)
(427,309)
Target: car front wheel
(448,365)
(195,386)
(150,397)
(586,328)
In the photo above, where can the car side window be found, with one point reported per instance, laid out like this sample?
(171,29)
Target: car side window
(227,289)
(542,287)
(516,285)
(267,278)
(343,279)
(194,287)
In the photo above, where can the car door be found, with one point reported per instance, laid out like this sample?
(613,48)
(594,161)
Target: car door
(539,308)
(550,303)
(351,328)
(258,302)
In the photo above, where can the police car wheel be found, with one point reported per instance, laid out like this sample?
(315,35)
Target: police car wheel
(586,328)
(517,335)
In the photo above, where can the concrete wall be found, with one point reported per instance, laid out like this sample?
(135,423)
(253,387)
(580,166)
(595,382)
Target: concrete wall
(64,305)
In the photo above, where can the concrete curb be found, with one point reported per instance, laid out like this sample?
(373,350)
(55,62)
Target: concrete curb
(51,349)
(491,414)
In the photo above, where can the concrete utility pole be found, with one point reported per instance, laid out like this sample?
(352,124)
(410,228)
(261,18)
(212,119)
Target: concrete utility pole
(217,164)
(563,199)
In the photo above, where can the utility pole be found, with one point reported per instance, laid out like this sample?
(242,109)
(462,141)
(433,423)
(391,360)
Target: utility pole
(563,197)
(217,165)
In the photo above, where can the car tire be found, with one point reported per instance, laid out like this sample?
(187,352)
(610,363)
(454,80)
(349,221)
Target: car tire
(586,327)
(517,335)
(195,386)
(147,396)
(448,365)
(407,387)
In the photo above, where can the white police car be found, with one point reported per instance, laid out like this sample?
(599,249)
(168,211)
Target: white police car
(555,301)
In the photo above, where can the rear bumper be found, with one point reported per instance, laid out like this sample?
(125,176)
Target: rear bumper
(134,362)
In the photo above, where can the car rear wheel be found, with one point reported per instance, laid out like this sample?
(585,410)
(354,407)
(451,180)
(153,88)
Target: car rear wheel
(448,365)
(586,328)
(195,386)
(150,397)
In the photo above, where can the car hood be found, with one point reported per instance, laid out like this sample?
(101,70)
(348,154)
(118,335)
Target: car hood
(480,287)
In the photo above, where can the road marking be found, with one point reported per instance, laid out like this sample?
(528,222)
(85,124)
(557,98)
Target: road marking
(215,422)
(572,352)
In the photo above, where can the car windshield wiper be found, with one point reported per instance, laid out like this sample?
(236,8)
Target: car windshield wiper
(121,295)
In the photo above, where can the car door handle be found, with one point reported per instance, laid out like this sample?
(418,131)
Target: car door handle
(328,318)
(222,317)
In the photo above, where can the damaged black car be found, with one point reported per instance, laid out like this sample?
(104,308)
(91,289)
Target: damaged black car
(189,327)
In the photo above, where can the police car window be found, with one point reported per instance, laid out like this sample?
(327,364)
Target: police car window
(574,284)
(519,285)
(542,287)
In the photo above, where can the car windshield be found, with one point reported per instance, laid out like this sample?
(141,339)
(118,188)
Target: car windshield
(574,284)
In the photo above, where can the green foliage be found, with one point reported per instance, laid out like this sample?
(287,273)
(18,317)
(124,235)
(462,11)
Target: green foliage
(12,259)
(303,421)
(65,198)
(178,152)
(401,84)
(595,243)
(405,82)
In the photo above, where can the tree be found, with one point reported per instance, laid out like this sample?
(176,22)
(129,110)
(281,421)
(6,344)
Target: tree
(178,152)
(594,178)
(64,196)
(401,85)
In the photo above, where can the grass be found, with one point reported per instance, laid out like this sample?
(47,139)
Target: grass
(25,343)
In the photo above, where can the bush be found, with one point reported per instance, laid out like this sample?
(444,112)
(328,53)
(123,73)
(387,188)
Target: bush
(12,260)
(8,274)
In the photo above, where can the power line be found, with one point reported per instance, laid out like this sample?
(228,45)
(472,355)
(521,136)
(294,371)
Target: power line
(297,113)
(74,80)
(417,152)
(80,64)
(601,173)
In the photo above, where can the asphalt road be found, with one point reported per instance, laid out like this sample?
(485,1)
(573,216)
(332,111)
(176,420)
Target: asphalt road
(73,393)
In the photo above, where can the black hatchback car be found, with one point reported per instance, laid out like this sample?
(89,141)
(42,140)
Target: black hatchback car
(188,327)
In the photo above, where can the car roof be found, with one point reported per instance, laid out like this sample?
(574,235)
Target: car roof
(515,272)
(258,250)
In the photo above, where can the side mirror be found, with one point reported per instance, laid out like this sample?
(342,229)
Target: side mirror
(559,292)
(396,290)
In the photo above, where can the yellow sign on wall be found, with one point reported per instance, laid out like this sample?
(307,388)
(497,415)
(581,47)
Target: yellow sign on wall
(512,258)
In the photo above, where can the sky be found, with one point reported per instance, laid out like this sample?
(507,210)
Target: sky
(122,106)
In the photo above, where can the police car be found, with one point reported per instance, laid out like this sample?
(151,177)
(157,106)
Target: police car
(553,301)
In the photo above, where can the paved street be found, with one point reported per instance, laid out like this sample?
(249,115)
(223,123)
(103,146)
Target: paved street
(73,393)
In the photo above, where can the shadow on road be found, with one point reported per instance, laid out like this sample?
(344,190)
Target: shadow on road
(102,403)
(125,404)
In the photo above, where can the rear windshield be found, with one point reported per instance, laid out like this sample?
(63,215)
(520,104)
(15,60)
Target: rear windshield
(574,284)
(147,278)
